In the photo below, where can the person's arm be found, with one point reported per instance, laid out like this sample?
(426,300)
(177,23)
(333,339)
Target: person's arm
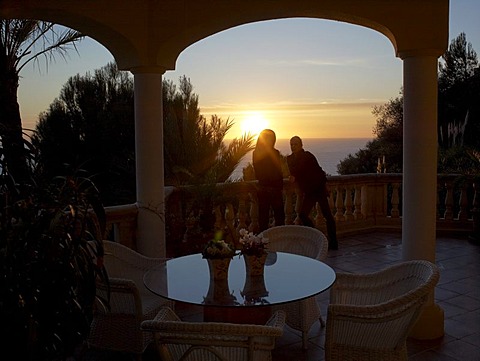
(318,173)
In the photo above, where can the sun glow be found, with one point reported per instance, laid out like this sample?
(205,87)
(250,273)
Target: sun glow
(254,123)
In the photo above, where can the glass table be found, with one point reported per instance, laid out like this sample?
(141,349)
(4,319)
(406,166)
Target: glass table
(240,299)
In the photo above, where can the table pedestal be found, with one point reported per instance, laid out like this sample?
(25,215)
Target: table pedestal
(244,315)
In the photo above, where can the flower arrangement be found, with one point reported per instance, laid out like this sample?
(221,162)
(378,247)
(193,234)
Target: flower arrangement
(252,244)
(218,248)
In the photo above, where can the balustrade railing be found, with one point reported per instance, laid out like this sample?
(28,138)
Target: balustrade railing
(359,203)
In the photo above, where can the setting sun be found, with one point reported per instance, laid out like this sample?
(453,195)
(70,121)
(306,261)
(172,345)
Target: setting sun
(253,123)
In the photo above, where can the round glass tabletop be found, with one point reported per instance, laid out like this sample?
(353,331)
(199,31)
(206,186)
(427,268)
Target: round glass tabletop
(287,277)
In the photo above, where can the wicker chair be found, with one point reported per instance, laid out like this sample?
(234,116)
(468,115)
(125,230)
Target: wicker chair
(211,341)
(118,328)
(371,315)
(305,241)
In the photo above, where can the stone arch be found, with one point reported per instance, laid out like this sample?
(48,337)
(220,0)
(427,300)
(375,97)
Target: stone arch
(151,34)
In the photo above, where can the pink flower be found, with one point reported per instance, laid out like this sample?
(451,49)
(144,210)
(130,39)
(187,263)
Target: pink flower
(251,243)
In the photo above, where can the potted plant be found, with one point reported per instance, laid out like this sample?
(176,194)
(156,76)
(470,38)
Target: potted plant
(218,254)
(254,251)
(50,243)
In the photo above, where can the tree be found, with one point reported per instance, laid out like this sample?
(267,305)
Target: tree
(459,92)
(458,118)
(91,126)
(459,63)
(23,42)
(388,142)
(363,161)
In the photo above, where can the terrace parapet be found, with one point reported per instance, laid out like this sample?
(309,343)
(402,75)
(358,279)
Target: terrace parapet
(360,203)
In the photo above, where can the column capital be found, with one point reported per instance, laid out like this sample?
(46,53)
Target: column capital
(411,53)
(148,69)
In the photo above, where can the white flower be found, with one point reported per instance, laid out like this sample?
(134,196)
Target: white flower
(251,243)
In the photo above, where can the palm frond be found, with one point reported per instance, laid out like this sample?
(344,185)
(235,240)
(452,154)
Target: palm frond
(230,158)
(52,41)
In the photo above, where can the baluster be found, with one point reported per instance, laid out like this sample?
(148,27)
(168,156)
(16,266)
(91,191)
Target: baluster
(475,236)
(242,211)
(331,196)
(339,205)
(357,202)
(230,220)
(348,203)
(364,202)
(448,215)
(254,226)
(319,220)
(219,222)
(463,203)
(289,211)
(298,204)
(395,213)
(189,225)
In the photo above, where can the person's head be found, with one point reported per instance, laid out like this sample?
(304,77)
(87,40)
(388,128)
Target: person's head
(296,144)
(266,138)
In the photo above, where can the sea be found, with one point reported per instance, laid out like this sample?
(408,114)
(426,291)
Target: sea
(329,152)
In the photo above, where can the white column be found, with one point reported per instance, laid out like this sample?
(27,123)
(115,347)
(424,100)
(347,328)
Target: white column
(149,161)
(420,175)
(419,157)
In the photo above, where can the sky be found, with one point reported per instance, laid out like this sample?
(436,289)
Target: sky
(308,77)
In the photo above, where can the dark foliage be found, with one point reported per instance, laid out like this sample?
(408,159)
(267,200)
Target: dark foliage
(458,120)
(386,146)
(91,125)
(50,238)
(194,148)
(459,96)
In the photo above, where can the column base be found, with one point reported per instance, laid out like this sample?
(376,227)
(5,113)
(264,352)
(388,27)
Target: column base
(430,324)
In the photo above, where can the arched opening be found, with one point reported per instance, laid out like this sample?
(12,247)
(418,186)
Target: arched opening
(48,77)
(319,75)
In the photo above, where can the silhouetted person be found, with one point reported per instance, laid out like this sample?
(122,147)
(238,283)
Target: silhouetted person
(312,181)
(267,163)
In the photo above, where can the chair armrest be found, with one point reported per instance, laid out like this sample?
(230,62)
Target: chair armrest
(391,309)
(277,320)
(380,286)
(167,321)
(120,296)
(166,314)
(119,285)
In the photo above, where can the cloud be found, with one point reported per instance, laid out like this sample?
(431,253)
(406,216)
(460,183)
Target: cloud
(336,62)
(299,106)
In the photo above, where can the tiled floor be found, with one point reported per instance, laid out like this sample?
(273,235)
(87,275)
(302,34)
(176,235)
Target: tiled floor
(457,293)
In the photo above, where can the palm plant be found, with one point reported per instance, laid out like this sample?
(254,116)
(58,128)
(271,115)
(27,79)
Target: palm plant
(23,42)
(195,152)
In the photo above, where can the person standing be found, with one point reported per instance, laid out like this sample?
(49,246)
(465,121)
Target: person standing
(267,163)
(312,181)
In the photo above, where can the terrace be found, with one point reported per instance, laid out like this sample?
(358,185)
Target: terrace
(362,205)
(368,213)
(457,293)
